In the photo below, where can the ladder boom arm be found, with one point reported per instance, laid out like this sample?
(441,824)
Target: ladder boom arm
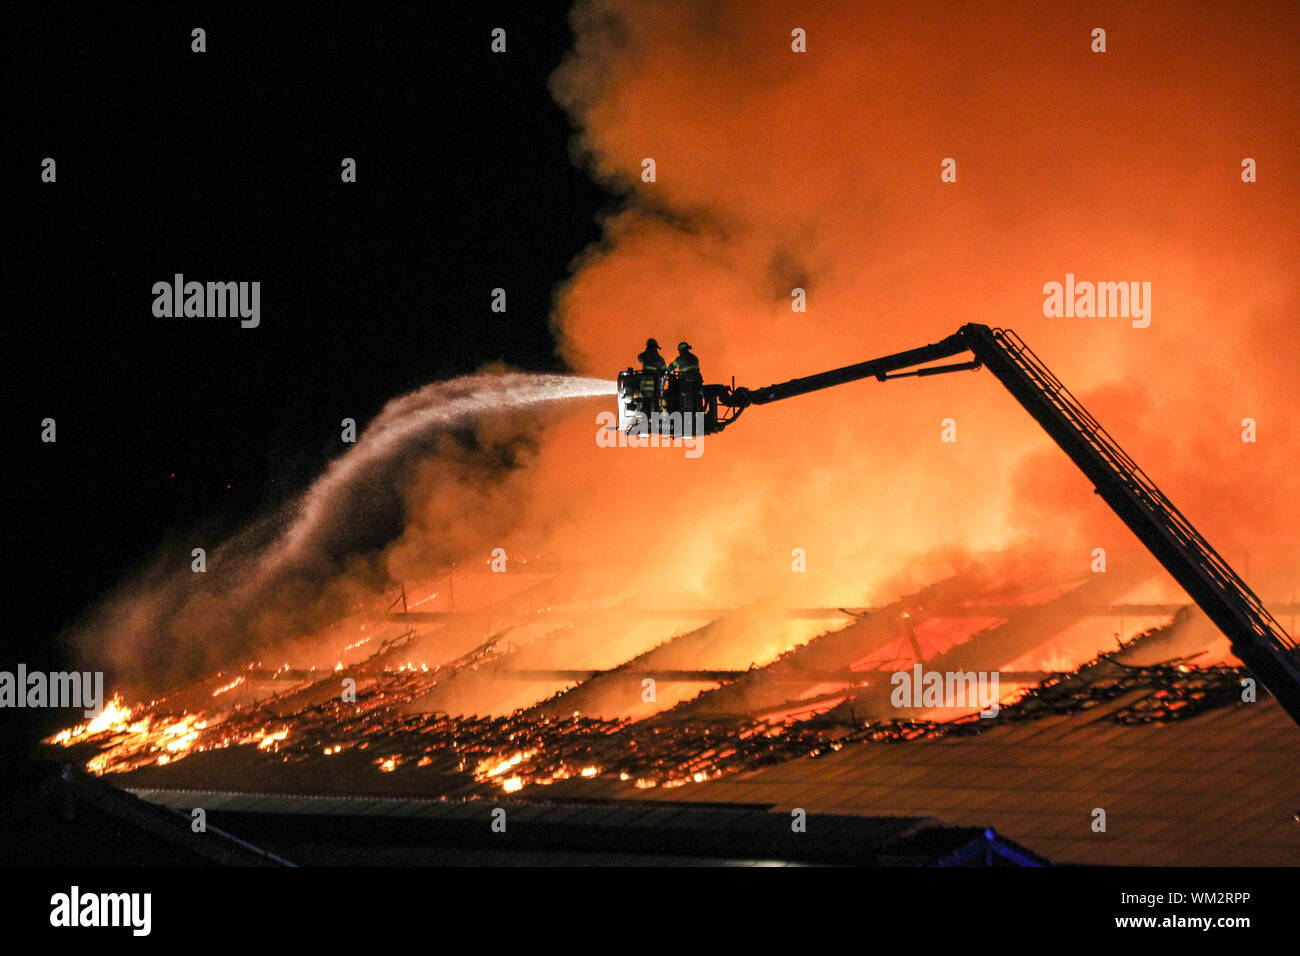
(876,368)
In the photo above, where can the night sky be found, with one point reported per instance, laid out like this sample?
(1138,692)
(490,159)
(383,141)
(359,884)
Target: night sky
(225,166)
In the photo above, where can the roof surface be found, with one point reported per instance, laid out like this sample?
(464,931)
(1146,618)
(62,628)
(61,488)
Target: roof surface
(1220,788)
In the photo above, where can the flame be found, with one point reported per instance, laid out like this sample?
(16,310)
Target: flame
(231,686)
(268,741)
(115,717)
(487,769)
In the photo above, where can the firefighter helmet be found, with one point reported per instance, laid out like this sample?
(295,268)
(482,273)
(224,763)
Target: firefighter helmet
(683,346)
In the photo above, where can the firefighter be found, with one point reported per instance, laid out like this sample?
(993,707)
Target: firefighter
(652,366)
(689,379)
(686,365)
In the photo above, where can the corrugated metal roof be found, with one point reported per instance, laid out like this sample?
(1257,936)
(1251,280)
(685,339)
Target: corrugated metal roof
(1219,788)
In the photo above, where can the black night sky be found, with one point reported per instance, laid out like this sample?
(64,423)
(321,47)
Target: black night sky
(225,166)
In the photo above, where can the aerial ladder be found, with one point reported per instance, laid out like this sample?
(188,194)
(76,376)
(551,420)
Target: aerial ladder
(1257,639)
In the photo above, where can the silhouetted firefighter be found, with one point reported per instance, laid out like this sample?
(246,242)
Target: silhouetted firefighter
(652,368)
(684,381)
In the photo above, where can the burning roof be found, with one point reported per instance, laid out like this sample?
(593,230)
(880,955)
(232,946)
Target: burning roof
(288,729)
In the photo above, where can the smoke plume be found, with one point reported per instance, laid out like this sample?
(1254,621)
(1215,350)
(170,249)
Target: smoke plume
(776,171)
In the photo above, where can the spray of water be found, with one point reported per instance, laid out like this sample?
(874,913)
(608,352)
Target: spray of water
(404,422)
(297,570)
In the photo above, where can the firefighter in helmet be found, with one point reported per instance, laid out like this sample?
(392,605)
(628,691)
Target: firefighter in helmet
(652,366)
(689,379)
(686,365)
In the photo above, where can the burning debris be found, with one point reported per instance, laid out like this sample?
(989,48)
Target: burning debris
(302,722)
